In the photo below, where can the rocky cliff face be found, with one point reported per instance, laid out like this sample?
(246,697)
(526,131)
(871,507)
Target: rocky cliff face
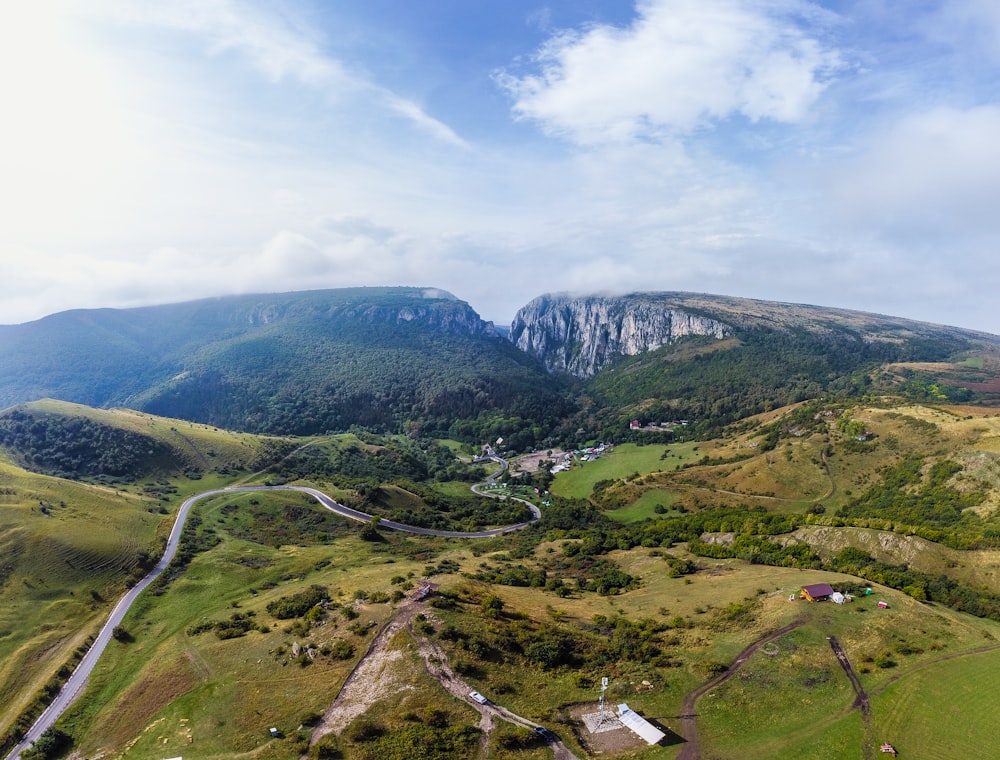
(430,307)
(580,335)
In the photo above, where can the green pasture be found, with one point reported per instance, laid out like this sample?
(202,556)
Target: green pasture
(169,684)
(66,550)
(793,699)
(644,508)
(793,694)
(946,709)
(621,462)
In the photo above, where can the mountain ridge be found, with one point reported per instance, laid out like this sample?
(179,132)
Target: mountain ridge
(581,334)
(423,361)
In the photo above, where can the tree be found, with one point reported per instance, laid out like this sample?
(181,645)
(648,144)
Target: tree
(50,744)
(492,606)
(370,531)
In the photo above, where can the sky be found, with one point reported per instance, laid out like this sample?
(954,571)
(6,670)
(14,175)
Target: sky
(835,153)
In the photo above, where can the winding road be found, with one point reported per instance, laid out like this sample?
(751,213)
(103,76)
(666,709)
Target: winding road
(75,683)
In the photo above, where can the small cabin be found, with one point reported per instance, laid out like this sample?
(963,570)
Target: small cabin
(817,592)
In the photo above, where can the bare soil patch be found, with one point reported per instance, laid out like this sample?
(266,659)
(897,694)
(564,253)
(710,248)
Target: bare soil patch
(373,678)
(531,462)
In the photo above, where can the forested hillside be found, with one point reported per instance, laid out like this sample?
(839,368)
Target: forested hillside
(298,363)
(420,361)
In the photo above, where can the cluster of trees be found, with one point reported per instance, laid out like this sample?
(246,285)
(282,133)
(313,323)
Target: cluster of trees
(76,447)
(512,636)
(923,586)
(377,460)
(906,496)
(442,511)
(431,736)
(297,605)
(195,538)
(271,524)
(239,624)
(761,370)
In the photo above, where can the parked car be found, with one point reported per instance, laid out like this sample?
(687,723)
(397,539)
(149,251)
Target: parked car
(543,732)
(476,696)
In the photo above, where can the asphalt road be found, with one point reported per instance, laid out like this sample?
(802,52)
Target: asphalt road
(75,683)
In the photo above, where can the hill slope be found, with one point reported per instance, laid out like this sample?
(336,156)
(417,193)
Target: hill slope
(286,363)
(660,356)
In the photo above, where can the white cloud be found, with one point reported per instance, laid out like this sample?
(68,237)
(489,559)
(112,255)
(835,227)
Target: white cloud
(929,179)
(280,46)
(680,65)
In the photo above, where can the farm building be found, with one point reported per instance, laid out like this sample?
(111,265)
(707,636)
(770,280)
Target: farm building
(639,725)
(817,592)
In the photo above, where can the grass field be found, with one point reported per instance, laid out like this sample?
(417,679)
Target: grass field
(622,462)
(174,689)
(941,710)
(66,550)
(644,507)
(795,698)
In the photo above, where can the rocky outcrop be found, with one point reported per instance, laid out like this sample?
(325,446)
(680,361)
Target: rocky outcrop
(431,307)
(446,316)
(580,335)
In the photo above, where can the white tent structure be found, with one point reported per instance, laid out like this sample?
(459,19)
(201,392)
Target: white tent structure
(639,725)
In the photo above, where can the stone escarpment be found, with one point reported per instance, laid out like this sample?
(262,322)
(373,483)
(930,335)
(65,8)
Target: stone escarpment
(580,335)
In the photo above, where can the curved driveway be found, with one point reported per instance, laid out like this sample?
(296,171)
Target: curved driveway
(75,683)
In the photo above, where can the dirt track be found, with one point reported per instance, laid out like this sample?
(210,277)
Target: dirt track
(689,726)
(373,678)
(860,695)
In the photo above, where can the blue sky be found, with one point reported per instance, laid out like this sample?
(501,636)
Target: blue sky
(836,153)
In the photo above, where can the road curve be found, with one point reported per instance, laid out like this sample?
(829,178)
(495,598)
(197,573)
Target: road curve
(75,683)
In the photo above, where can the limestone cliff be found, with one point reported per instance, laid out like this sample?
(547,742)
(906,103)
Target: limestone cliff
(580,335)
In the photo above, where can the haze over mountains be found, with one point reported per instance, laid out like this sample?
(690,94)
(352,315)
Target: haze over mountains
(385,358)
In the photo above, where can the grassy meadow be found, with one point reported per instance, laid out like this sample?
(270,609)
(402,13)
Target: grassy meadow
(178,688)
(171,688)
(66,550)
(621,462)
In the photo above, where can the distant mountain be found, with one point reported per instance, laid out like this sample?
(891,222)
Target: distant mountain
(292,363)
(420,360)
(656,356)
(580,335)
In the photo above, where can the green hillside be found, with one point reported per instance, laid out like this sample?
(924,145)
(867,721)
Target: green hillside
(296,363)
(807,450)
